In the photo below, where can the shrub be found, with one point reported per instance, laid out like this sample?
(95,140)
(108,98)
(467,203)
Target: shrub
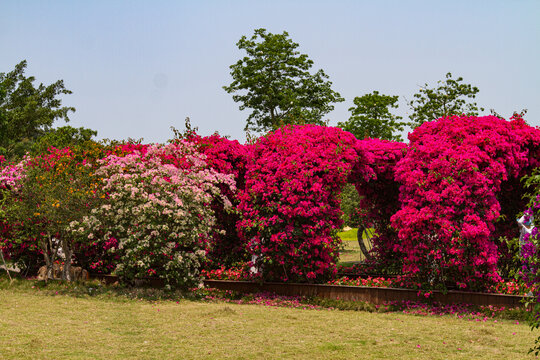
(44,194)
(452,177)
(290,205)
(158,210)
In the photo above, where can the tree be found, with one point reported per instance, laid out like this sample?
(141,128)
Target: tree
(27,112)
(371,118)
(53,190)
(449,98)
(62,137)
(274,81)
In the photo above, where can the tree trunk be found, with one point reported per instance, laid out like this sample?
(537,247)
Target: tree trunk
(47,246)
(361,243)
(66,275)
(48,262)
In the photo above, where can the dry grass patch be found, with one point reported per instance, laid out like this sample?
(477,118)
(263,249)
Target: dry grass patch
(34,325)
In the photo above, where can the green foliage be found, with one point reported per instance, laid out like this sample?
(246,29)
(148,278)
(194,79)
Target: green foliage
(350,201)
(274,81)
(62,137)
(532,184)
(371,117)
(27,112)
(448,98)
(509,266)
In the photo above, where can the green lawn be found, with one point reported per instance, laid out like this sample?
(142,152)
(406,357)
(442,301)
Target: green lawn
(37,324)
(351,252)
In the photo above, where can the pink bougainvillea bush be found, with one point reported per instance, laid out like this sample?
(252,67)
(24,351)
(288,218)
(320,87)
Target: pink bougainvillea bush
(451,177)
(290,206)
(158,212)
(373,177)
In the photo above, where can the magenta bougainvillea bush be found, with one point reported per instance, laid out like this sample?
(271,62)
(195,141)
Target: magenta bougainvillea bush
(451,178)
(290,206)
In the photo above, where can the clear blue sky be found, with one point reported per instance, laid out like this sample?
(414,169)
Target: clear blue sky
(138,67)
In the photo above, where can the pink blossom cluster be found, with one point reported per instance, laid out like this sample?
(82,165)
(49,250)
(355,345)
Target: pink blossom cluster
(12,174)
(450,180)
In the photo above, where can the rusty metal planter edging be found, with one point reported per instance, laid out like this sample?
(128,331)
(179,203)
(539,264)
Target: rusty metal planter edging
(374,295)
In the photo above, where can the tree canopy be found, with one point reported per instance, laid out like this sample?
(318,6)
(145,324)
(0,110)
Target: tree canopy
(371,118)
(450,97)
(62,137)
(26,111)
(274,81)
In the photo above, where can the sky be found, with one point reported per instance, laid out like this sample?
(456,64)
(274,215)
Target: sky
(136,68)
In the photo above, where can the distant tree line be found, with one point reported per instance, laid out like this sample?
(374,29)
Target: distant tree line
(274,81)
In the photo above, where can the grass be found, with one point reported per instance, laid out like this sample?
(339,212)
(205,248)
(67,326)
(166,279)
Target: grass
(74,322)
(351,250)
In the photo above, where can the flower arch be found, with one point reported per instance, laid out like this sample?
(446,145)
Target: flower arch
(290,205)
(373,177)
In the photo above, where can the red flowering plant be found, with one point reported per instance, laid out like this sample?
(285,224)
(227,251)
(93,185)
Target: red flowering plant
(238,273)
(369,281)
(24,253)
(290,205)
(44,193)
(451,178)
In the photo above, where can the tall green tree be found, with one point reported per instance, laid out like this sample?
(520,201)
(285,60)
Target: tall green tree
(371,117)
(26,111)
(273,80)
(450,97)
